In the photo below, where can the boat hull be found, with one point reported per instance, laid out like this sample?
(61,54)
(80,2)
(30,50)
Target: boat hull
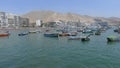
(34,32)
(51,35)
(64,34)
(22,34)
(85,39)
(97,33)
(73,38)
(113,39)
(4,35)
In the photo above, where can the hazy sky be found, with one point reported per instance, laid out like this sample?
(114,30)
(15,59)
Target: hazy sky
(104,8)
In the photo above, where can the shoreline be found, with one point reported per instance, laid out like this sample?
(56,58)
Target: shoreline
(28,28)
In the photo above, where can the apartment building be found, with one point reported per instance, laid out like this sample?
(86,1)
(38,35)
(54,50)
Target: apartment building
(3,20)
(12,20)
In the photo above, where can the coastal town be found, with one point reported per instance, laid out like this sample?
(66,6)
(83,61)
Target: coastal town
(60,34)
(57,28)
(10,20)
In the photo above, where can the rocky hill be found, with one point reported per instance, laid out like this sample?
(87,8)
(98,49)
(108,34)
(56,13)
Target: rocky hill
(48,16)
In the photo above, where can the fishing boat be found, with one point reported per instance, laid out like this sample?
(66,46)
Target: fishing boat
(68,34)
(51,34)
(116,30)
(73,33)
(22,34)
(86,38)
(64,34)
(87,31)
(113,38)
(4,34)
(73,38)
(98,33)
(34,32)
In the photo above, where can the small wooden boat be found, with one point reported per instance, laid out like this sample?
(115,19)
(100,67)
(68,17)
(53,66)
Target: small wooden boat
(51,34)
(22,34)
(68,34)
(64,34)
(116,30)
(87,31)
(73,38)
(4,34)
(34,31)
(73,33)
(113,38)
(86,38)
(98,33)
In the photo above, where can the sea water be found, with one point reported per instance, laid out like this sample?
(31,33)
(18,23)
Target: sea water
(37,51)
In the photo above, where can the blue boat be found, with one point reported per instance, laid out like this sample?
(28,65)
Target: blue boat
(22,34)
(51,34)
(117,30)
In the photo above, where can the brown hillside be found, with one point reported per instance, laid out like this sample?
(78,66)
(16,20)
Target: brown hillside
(48,16)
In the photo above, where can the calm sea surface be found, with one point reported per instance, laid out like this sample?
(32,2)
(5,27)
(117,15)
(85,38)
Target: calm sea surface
(37,51)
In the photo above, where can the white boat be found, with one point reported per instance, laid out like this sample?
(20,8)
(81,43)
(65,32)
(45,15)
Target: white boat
(73,37)
(34,31)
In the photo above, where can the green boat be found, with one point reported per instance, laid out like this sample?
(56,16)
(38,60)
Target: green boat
(113,38)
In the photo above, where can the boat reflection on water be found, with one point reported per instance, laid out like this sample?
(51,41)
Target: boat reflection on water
(111,43)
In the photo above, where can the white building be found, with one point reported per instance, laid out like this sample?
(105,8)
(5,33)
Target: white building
(12,20)
(39,23)
(3,20)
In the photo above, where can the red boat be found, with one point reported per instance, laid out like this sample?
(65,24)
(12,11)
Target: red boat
(4,34)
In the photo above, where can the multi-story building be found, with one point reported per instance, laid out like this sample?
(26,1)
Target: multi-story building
(3,20)
(17,20)
(24,22)
(12,20)
(39,23)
